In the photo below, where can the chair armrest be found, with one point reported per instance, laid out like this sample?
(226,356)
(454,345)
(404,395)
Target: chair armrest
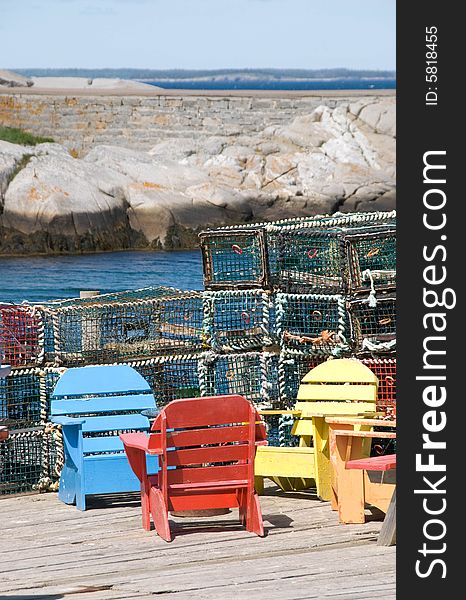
(67,421)
(391,435)
(139,441)
(356,421)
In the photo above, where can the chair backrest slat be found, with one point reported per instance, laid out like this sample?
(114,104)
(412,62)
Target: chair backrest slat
(342,370)
(94,380)
(102,404)
(239,472)
(108,443)
(354,393)
(115,423)
(207,411)
(212,454)
(212,435)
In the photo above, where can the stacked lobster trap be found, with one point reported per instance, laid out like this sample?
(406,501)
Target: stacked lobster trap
(32,456)
(279,299)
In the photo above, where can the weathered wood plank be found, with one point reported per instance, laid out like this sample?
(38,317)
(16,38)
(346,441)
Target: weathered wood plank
(49,548)
(387,535)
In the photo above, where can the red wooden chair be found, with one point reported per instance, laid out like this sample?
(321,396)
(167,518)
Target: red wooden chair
(206,448)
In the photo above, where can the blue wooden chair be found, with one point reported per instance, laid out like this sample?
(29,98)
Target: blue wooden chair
(93,405)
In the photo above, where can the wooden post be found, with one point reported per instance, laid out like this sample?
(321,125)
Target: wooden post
(387,535)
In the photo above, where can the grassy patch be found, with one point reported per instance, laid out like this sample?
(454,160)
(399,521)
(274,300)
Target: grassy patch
(18,136)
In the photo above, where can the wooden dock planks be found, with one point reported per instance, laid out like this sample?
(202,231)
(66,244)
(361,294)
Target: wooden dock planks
(51,550)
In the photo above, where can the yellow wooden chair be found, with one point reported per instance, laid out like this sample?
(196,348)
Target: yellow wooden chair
(339,387)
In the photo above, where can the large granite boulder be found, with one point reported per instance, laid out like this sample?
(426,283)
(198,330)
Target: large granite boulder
(332,159)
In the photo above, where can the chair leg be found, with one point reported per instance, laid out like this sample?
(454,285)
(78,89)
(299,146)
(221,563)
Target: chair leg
(351,497)
(145,507)
(242,506)
(80,500)
(254,522)
(159,514)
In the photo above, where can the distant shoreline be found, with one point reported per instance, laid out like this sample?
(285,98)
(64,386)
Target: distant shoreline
(153,91)
(251,78)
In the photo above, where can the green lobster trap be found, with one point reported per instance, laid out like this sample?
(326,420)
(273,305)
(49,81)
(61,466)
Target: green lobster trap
(373,324)
(316,324)
(337,260)
(238,320)
(370,258)
(250,374)
(171,377)
(103,330)
(24,461)
(234,258)
(24,396)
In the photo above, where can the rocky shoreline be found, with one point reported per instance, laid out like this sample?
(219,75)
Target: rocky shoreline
(334,158)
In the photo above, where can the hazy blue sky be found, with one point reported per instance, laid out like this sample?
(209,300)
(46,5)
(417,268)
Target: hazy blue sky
(197,33)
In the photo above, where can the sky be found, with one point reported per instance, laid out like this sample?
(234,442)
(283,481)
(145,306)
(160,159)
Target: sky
(197,34)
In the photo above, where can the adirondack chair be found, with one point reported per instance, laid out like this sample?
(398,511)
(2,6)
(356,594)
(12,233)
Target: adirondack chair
(206,448)
(93,404)
(335,387)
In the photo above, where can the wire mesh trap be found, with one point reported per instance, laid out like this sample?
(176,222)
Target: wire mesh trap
(21,335)
(373,324)
(248,255)
(238,320)
(312,323)
(104,332)
(250,374)
(337,260)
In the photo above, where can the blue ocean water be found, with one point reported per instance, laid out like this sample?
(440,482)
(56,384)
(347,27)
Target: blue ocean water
(281,84)
(39,278)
